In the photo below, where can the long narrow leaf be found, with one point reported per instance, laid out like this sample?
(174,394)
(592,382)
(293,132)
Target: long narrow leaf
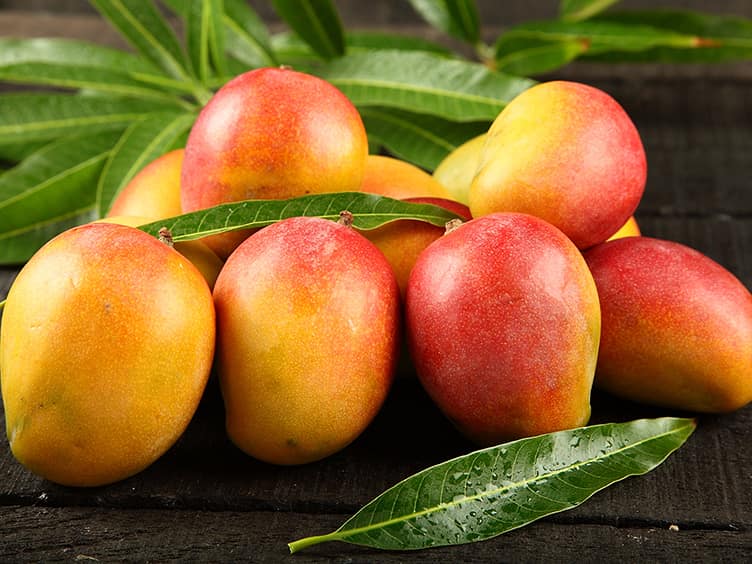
(453,89)
(30,116)
(217,37)
(18,247)
(369,211)
(418,138)
(14,51)
(145,28)
(317,22)
(488,492)
(542,57)
(205,37)
(246,35)
(719,38)
(84,77)
(290,48)
(140,144)
(14,152)
(57,181)
(578,10)
(598,35)
(458,18)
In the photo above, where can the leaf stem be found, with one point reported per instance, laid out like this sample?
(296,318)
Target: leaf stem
(300,544)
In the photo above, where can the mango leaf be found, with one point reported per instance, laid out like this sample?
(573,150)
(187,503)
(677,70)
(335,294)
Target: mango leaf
(44,116)
(141,143)
(51,185)
(246,35)
(458,18)
(315,21)
(598,36)
(294,51)
(578,10)
(488,492)
(541,57)
(369,211)
(18,247)
(359,41)
(84,77)
(13,152)
(718,38)
(205,37)
(144,27)
(14,51)
(456,90)
(418,138)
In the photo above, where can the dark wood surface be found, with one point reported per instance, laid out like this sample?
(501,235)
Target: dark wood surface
(205,500)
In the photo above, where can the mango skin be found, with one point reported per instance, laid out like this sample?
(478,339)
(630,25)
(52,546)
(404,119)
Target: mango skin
(308,324)
(154,191)
(503,325)
(630,229)
(402,241)
(457,170)
(201,256)
(271,133)
(395,178)
(677,326)
(567,153)
(105,349)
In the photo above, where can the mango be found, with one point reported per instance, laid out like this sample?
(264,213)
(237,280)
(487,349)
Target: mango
(457,170)
(201,256)
(154,191)
(677,326)
(308,333)
(271,133)
(395,178)
(630,229)
(106,345)
(503,326)
(402,241)
(567,153)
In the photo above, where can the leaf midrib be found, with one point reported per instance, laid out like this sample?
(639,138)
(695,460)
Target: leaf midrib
(63,174)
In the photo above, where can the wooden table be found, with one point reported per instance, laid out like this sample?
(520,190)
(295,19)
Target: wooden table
(205,500)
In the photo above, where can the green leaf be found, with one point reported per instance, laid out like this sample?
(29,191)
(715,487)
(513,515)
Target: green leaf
(18,247)
(359,41)
(84,77)
(542,57)
(317,22)
(247,37)
(141,143)
(717,38)
(458,18)
(453,89)
(57,182)
(205,37)
(369,212)
(18,151)
(145,28)
(597,35)
(488,492)
(578,10)
(65,52)
(418,138)
(31,116)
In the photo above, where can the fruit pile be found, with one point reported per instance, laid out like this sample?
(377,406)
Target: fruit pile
(109,335)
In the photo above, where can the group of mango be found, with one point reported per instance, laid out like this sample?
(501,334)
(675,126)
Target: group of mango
(109,334)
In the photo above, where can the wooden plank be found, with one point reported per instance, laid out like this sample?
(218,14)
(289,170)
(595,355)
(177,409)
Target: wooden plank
(701,484)
(82,534)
